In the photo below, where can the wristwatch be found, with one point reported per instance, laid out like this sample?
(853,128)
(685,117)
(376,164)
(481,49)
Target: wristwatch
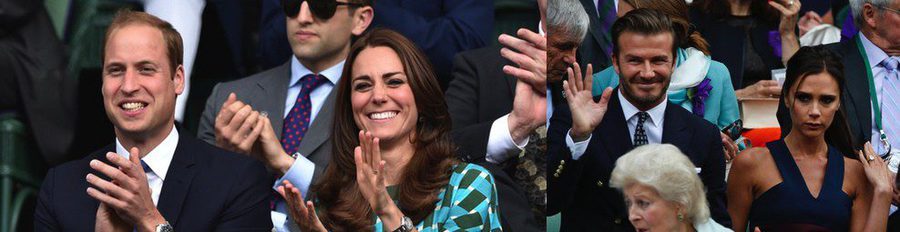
(165,227)
(406,225)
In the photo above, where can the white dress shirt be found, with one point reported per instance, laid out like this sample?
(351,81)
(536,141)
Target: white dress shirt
(157,159)
(653,126)
(301,172)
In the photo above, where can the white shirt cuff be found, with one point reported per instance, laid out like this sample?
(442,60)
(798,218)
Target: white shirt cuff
(577,149)
(500,142)
(300,175)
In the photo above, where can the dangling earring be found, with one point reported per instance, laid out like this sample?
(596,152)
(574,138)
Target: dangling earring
(680,217)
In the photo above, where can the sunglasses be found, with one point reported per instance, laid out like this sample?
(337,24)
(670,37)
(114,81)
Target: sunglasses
(322,9)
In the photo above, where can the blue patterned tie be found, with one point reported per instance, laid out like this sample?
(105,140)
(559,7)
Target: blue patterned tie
(607,11)
(890,93)
(297,121)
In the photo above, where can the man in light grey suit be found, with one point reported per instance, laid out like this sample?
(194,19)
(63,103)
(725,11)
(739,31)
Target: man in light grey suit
(283,116)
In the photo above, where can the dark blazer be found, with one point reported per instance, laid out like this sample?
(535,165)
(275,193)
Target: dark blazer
(591,50)
(206,189)
(479,94)
(267,91)
(439,28)
(581,191)
(34,81)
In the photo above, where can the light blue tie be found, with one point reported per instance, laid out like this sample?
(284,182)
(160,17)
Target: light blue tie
(891,103)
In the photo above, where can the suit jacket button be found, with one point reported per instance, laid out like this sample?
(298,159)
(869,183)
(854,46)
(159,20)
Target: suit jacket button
(618,221)
(599,183)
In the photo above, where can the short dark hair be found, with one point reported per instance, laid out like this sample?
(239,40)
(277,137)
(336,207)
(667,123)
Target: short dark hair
(171,37)
(646,22)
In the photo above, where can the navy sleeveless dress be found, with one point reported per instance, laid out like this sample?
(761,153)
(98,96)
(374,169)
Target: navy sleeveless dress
(789,205)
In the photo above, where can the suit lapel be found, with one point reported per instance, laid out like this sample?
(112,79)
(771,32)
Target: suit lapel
(272,94)
(615,129)
(320,130)
(675,131)
(178,180)
(857,92)
(594,25)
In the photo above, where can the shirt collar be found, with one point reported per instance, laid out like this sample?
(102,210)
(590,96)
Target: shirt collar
(333,74)
(160,157)
(656,113)
(873,53)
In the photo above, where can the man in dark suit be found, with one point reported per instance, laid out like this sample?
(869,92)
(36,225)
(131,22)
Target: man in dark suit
(164,181)
(586,140)
(596,47)
(877,42)
(296,99)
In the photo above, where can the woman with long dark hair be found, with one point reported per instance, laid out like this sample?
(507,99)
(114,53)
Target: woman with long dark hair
(393,166)
(812,179)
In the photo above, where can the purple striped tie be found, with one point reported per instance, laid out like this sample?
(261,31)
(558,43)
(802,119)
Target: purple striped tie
(890,102)
(607,11)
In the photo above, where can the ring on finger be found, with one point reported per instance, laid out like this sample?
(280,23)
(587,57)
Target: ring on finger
(791,3)
(870,157)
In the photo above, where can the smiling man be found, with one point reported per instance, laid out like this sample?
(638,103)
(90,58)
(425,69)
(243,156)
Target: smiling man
(151,179)
(588,137)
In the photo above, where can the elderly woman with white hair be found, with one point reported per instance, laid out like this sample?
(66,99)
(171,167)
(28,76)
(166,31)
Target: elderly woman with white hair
(662,190)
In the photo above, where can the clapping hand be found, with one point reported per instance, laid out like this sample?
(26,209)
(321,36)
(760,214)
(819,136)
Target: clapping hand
(303,213)
(586,113)
(789,10)
(530,56)
(237,126)
(370,172)
(127,191)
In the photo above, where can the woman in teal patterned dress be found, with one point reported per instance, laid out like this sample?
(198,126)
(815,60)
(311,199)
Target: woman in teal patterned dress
(393,166)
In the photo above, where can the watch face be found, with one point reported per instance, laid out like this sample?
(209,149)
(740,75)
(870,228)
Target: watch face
(164,228)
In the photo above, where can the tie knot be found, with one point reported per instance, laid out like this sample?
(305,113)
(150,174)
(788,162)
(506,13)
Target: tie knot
(890,63)
(642,116)
(146,167)
(311,81)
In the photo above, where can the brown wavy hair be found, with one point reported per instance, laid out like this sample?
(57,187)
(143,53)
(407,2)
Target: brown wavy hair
(679,13)
(429,169)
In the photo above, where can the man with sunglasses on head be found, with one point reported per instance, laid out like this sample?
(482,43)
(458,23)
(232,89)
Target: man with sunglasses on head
(296,97)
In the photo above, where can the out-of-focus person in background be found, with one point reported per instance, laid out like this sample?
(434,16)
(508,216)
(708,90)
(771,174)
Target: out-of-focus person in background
(662,191)
(34,87)
(751,38)
(813,178)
